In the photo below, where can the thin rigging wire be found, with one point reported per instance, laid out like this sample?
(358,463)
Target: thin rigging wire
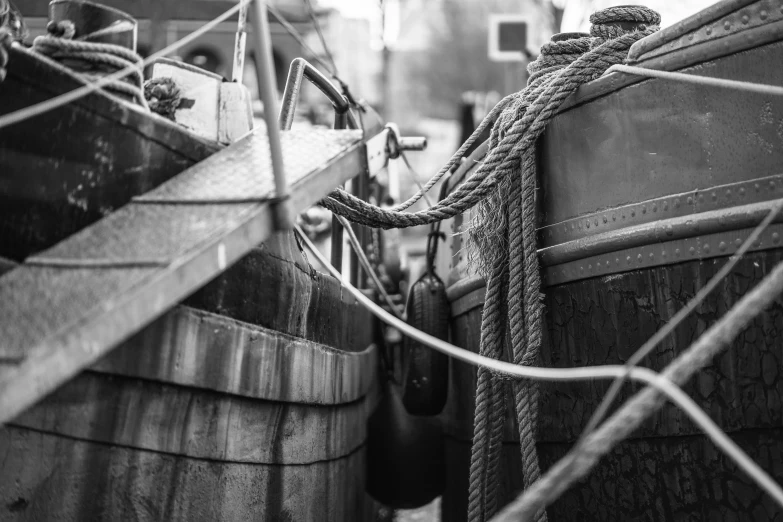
(296,35)
(762,88)
(317,26)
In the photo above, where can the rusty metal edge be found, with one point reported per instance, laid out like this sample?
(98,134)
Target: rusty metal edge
(710,222)
(78,345)
(675,61)
(692,23)
(693,202)
(702,247)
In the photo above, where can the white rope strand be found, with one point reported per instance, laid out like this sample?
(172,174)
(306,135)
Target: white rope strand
(761,88)
(657,381)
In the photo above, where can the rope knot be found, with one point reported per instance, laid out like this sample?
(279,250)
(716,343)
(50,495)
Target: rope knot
(615,22)
(163,96)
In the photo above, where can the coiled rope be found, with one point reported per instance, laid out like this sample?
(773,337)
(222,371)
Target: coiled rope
(519,260)
(489,417)
(94,60)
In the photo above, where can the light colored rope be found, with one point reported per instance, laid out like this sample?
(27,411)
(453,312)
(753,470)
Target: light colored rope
(357,247)
(761,88)
(102,58)
(661,383)
(522,122)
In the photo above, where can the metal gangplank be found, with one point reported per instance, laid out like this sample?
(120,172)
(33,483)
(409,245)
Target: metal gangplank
(68,306)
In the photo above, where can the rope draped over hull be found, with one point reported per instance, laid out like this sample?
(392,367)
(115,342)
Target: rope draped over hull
(504,186)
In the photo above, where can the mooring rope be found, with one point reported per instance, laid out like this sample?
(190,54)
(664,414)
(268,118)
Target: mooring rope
(644,375)
(98,58)
(490,390)
(520,258)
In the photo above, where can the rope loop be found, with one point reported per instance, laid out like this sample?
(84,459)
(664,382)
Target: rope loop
(93,60)
(625,13)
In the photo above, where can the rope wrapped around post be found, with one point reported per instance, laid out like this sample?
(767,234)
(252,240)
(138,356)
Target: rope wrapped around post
(100,59)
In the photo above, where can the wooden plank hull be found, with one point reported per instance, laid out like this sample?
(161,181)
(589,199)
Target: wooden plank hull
(77,480)
(67,168)
(268,426)
(200,416)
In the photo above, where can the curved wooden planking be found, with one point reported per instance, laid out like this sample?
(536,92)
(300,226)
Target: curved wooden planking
(67,168)
(72,481)
(203,350)
(275,287)
(182,421)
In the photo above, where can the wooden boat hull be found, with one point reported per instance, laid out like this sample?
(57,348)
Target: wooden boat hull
(203,417)
(646,187)
(257,411)
(65,169)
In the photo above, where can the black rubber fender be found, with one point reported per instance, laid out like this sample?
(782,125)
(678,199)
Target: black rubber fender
(426,372)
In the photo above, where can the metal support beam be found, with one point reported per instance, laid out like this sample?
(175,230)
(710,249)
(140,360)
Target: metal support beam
(267,87)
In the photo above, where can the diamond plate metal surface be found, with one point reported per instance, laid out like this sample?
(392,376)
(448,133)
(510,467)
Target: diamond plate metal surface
(144,232)
(40,301)
(54,321)
(247,171)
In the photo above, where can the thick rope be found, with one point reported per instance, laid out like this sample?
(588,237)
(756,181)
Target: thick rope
(523,292)
(628,418)
(163,96)
(524,118)
(502,159)
(101,59)
(490,404)
(643,375)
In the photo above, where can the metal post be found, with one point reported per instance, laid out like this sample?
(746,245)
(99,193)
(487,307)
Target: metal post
(239,45)
(267,86)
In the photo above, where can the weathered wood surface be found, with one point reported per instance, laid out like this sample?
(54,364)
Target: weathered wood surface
(666,466)
(72,480)
(604,320)
(203,350)
(67,168)
(176,420)
(179,404)
(275,287)
(671,478)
